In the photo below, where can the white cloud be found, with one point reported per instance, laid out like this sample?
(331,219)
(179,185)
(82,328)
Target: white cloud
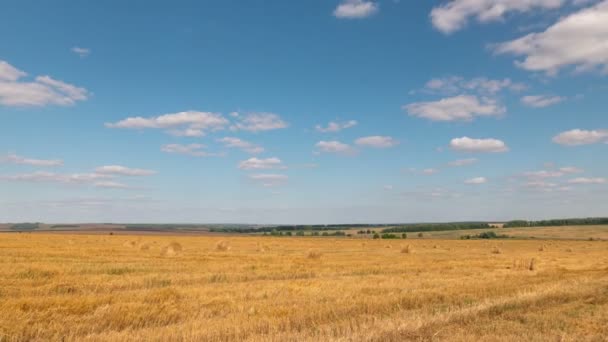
(454,15)
(80,51)
(269,180)
(355,9)
(334,147)
(243,145)
(257,122)
(541,185)
(10,73)
(455,84)
(540,101)
(111,185)
(195,150)
(16,159)
(123,171)
(461,107)
(42,91)
(388,187)
(467,144)
(577,40)
(583,180)
(335,126)
(43,176)
(430,171)
(571,169)
(577,137)
(188,123)
(476,180)
(261,164)
(377,141)
(463,162)
(543,174)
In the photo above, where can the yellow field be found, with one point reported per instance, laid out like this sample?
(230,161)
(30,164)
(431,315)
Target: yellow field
(141,288)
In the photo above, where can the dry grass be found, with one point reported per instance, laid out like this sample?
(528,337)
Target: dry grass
(496,250)
(99,290)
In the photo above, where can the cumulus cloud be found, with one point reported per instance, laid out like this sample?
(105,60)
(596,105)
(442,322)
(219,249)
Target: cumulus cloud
(541,185)
(16,159)
(584,180)
(578,137)
(543,174)
(195,150)
(243,145)
(540,101)
(454,15)
(335,126)
(334,147)
(80,51)
(111,185)
(258,122)
(377,141)
(476,180)
(577,40)
(269,179)
(261,164)
(188,123)
(466,144)
(42,91)
(461,107)
(355,9)
(123,171)
(51,177)
(462,162)
(571,169)
(455,84)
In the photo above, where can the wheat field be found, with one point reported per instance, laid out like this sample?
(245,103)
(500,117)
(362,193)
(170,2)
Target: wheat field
(201,288)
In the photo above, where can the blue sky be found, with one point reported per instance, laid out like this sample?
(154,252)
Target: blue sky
(303,112)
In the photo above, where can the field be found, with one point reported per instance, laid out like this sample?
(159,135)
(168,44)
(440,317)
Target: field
(553,233)
(77,287)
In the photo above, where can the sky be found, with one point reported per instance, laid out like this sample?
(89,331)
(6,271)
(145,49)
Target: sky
(281,112)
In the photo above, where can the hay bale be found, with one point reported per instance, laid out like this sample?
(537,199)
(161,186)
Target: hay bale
(407,249)
(496,250)
(171,249)
(130,244)
(261,248)
(313,254)
(144,247)
(222,246)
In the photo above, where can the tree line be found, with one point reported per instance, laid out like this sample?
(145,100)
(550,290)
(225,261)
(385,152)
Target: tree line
(431,227)
(557,222)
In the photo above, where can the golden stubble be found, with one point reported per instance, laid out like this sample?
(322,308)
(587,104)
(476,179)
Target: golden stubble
(177,288)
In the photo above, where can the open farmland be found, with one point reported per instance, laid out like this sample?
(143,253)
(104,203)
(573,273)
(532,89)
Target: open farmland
(193,288)
(553,233)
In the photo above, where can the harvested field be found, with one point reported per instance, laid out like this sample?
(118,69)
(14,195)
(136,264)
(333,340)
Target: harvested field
(112,288)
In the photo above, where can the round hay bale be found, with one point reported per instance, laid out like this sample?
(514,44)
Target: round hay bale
(171,249)
(222,246)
